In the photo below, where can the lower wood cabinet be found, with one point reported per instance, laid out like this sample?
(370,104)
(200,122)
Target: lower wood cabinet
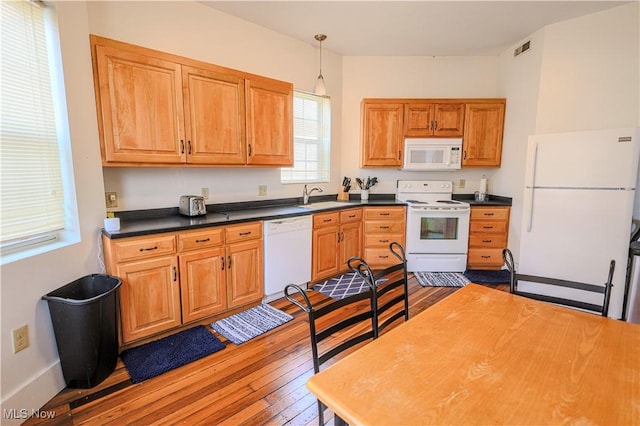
(382,226)
(488,235)
(177,278)
(337,236)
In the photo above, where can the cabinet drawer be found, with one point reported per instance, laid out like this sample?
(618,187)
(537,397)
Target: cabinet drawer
(247,231)
(142,248)
(200,239)
(488,226)
(500,213)
(351,215)
(384,213)
(487,257)
(384,227)
(379,257)
(488,240)
(383,240)
(326,219)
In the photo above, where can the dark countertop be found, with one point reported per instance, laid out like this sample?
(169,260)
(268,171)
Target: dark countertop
(146,222)
(492,200)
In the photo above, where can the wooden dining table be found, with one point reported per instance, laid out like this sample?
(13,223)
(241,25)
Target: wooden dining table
(484,356)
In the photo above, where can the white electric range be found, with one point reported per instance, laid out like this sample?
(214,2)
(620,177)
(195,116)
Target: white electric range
(437,226)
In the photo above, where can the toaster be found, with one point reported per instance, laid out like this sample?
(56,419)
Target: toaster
(192,205)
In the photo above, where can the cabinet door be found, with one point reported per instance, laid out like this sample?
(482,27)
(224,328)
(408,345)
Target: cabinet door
(382,135)
(484,124)
(202,283)
(214,111)
(449,120)
(350,242)
(325,256)
(149,297)
(245,276)
(140,107)
(418,119)
(269,115)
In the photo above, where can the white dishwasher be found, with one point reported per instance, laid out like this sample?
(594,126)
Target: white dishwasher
(287,254)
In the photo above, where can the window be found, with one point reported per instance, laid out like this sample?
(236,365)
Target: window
(32,127)
(311,139)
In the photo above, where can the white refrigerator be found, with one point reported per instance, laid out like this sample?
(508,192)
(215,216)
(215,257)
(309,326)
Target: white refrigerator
(577,210)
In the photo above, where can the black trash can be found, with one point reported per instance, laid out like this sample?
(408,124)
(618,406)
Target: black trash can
(83,314)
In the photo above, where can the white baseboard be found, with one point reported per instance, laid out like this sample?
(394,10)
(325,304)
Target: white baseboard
(28,400)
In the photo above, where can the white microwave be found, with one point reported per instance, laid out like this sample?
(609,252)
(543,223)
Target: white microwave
(426,154)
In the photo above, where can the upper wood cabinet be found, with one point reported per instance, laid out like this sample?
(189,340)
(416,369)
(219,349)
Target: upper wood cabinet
(159,109)
(386,122)
(433,119)
(139,106)
(269,136)
(381,133)
(483,128)
(214,116)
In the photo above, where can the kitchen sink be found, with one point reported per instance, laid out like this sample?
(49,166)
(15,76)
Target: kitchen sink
(323,205)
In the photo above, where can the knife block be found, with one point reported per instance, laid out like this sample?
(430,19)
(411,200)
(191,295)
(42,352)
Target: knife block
(342,195)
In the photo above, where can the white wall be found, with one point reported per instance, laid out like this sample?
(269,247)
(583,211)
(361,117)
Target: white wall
(411,77)
(31,377)
(193,30)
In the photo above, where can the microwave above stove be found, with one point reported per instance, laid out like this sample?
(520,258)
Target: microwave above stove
(431,154)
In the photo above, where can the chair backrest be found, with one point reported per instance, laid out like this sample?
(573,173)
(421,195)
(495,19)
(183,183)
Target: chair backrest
(599,308)
(391,297)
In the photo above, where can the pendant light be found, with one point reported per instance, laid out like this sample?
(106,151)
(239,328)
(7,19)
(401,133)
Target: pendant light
(320,89)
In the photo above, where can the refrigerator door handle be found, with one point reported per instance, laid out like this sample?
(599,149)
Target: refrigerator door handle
(530,179)
(530,196)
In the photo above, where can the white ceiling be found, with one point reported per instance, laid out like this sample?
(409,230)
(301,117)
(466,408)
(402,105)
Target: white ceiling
(410,28)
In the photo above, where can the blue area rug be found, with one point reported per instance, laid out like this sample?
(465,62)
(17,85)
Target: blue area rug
(157,357)
(343,286)
(488,277)
(251,323)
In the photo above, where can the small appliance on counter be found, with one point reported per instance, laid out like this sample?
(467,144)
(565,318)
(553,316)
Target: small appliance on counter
(192,205)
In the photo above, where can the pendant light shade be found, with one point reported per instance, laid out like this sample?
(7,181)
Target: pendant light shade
(320,89)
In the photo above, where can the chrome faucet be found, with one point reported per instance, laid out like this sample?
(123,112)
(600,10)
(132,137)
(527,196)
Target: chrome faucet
(306,194)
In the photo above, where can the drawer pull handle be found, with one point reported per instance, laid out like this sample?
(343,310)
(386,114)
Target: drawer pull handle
(384,227)
(327,220)
(175,274)
(203,241)
(222,261)
(385,214)
(384,257)
(353,215)
(149,249)
(487,241)
(487,227)
(383,241)
(229,262)
(486,257)
(488,214)
(242,234)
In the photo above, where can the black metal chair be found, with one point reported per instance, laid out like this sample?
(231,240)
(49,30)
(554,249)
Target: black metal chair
(358,325)
(601,309)
(385,281)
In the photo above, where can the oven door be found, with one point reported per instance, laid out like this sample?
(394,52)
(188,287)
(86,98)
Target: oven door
(439,231)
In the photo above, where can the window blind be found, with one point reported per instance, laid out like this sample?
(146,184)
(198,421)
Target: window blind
(31,191)
(311,139)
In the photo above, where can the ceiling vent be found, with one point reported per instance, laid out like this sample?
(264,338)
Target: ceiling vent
(521,49)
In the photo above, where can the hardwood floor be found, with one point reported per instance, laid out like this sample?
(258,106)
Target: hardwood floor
(259,382)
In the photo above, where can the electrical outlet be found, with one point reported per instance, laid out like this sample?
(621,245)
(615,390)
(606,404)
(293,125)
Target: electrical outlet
(20,338)
(111,198)
(262,189)
(462,183)
(205,193)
